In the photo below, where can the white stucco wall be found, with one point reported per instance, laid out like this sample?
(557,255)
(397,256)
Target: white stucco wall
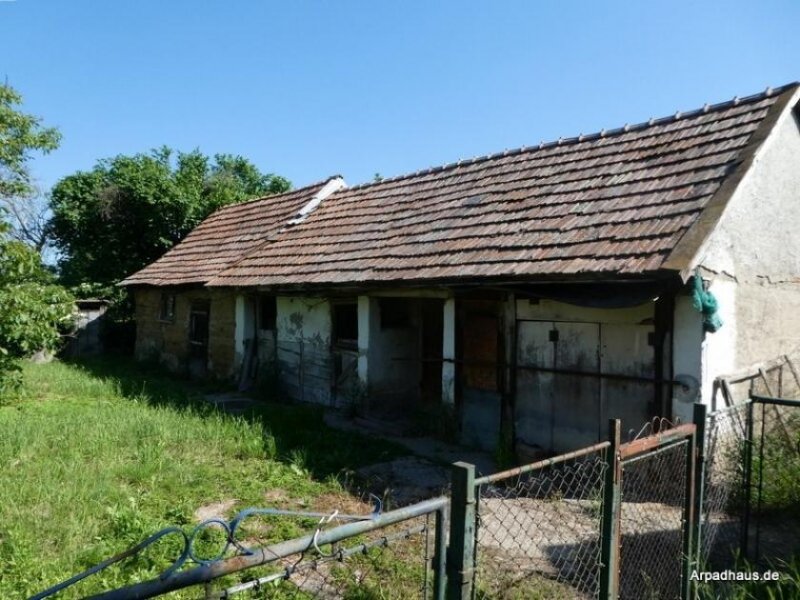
(687,354)
(306,319)
(303,348)
(752,260)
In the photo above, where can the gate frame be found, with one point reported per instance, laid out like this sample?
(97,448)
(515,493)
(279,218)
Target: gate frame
(611,535)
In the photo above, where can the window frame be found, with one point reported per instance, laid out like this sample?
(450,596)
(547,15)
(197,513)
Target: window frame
(166,307)
(273,320)
(338,341)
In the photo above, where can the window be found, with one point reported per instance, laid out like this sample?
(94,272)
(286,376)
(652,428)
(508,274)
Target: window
(166,311)
(267,312)
(395,313)
(345,324)
(198,323)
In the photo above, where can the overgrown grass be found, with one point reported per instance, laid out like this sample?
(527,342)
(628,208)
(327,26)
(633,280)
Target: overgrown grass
(95,457)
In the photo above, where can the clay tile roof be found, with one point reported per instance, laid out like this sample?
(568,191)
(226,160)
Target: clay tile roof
(224,237)
(615,203)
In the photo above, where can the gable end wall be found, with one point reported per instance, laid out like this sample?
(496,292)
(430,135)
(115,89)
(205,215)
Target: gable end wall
(753,260)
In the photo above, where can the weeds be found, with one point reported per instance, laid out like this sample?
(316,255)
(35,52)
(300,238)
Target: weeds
(100,455)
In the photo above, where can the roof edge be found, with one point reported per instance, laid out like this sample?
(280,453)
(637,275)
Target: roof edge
(326,188)
(682,256)
(333,185)
(586,137)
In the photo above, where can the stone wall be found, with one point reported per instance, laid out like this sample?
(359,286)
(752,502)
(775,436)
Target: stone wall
(169,341)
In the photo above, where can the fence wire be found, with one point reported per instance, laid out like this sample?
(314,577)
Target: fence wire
(538,533)
(774,481)
(721,525)
(393,562)
(651,523)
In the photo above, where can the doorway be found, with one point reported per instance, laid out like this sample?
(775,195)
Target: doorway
(198,338)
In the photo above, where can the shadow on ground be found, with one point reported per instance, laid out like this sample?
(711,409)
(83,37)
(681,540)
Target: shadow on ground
(292,434)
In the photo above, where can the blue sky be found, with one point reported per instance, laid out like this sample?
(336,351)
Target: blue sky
(310,89)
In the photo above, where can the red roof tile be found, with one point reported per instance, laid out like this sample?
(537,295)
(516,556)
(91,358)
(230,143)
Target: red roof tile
(611,203)
(223,238)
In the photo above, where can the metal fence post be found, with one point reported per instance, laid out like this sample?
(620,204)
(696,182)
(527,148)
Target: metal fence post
(440,556)
(748,467)
(700,419)
(610,530)
(689,517)
(461,552)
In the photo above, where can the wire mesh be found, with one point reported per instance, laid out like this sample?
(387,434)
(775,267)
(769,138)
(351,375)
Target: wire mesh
(720,528)
(775,481)
(393,562)
(538,534)
(653,497)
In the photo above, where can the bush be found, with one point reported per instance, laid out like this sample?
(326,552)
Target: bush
(34,311)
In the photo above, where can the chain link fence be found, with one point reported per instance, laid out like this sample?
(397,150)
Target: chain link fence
(538,531)
(610,520)
(773,481)
(652,523)
(393,562)
(723,498)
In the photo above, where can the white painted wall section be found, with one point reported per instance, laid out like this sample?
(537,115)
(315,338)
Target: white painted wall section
(687,353)
(366,306)
(306,319)
(752,259)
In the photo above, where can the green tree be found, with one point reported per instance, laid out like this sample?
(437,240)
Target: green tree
(20,135)
(33,309)
(128,210)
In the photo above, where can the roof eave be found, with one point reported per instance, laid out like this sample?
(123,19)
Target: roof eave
(683,256)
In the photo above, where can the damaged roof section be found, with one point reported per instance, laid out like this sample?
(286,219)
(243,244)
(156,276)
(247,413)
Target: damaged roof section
(614,202)
(229,233)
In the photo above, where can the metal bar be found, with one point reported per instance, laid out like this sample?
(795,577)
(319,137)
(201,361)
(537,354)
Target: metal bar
(778,401)
(652,442)
(790,364)
(267,554)
(440,555)
(687,560)
(700,417)
(747,476)
(610,526)
(426,558)
(461,555)
(727,393)
(767,387)
(656,451)
(340,555)
(506,365)
(547,462)
(760,482)
(715,390)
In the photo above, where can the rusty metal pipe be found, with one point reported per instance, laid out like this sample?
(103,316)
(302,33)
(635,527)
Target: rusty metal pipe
(267,554)
(652,442)
(547,462)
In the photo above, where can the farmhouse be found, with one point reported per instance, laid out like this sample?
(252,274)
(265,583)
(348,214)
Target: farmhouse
(530,294)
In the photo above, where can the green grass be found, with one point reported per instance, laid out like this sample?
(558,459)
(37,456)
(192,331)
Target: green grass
(96,456)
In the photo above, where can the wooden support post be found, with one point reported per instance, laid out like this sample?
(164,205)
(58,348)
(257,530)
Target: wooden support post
(461,553)
(610,527)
